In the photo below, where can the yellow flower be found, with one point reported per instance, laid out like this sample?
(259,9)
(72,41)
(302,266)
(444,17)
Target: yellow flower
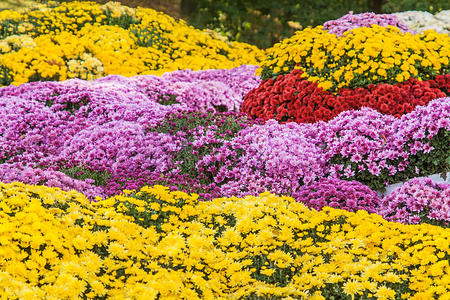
(267,272)
(351,288)
(82,44)
(385,293)
(184,256)
(327,58)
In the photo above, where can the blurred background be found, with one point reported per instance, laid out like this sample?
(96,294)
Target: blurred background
(265,22)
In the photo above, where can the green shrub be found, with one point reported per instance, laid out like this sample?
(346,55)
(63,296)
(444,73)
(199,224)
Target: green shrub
(264,23)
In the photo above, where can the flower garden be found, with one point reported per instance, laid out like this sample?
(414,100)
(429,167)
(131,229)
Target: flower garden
(142,158)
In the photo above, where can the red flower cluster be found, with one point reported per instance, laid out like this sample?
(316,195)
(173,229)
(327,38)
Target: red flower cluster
(292,98)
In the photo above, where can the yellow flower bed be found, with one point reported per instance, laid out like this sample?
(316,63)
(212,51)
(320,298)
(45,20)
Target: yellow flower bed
(157,243)
(87,40)
(360,57)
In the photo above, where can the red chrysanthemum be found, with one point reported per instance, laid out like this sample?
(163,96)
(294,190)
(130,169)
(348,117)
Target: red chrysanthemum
(292,98)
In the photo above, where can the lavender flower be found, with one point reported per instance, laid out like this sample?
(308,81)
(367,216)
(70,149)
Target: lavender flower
(117,126)
(274,157)
(351,21)
(378,148)
(103,125)
(36,176)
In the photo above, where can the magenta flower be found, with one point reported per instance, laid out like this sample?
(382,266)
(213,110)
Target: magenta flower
(418,201)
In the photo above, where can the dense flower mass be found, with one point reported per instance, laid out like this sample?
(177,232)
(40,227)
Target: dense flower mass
(37,176)
(359,58)
(267,157)
(421,20)
(292,98)
(351,21)
(86,40)
(103,124)
(118,132)
(362,145)
(130,162)
(374,149)
(418,201)
(332,192)
(145,244)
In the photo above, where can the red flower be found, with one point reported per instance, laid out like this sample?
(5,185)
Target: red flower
(372,102)
(384,108)
(292,98)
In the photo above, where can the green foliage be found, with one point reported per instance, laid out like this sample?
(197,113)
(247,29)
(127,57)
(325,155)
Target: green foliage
(70,106)
(212,128)
(5,76)
(437,160)
(432,6)
(38,77)
(9,27)
(83,173)
(153,212)
(148,37)
(192,120)
(263,23)
(168,99)
(123,21)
